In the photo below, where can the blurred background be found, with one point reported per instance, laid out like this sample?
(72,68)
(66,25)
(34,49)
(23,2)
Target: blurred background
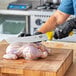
(40,11)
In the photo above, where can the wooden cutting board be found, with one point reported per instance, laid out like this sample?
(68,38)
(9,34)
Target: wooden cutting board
(55,64)
(62,45)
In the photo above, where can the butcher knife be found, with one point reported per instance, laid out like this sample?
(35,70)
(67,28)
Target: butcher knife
(34,38)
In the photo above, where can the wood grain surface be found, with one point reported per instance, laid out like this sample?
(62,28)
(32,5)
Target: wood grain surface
(55,64)
(66,45)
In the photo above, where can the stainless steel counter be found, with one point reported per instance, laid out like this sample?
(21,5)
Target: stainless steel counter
(67,39)
(14,12)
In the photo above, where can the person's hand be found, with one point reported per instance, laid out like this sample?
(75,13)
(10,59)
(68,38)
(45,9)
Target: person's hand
(23,34)
(64,30)
(37,33)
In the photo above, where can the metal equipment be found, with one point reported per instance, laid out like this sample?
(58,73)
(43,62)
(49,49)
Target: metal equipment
(19,5)
(35,38)
(37,18)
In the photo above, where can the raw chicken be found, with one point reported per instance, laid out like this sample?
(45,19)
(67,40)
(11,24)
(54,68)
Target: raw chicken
(28,51)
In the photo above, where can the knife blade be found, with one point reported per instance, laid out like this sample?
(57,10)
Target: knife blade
(34,38)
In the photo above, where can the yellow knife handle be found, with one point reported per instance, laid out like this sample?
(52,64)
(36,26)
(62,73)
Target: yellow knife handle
(71,33)
(50,35)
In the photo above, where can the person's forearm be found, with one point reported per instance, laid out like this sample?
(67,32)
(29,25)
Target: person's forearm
(56,19)
(50,24)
